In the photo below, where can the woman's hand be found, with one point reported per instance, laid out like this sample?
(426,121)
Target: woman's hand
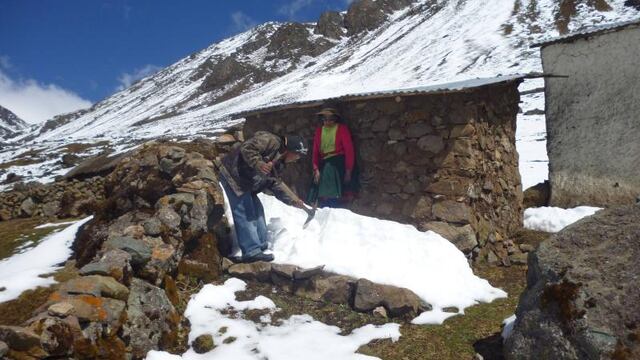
(316,176)
(266,168)
(347,176)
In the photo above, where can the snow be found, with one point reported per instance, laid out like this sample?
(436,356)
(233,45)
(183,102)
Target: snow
(531,137)
(382,251)
(554,219)
(22,271)
(299,337)
(48,225)
(508,324)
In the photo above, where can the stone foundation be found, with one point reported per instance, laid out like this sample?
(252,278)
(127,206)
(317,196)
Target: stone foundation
(440,161)
(64,199)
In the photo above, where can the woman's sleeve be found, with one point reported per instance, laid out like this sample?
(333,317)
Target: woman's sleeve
(316,148)
(347,144)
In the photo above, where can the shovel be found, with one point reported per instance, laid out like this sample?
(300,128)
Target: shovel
(311,212)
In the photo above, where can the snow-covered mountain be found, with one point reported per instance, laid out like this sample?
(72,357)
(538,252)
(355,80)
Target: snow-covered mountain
(375,45)
(10,124)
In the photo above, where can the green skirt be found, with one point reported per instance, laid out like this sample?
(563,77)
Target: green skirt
(331,184)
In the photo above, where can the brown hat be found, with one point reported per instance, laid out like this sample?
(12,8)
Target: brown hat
(328,111)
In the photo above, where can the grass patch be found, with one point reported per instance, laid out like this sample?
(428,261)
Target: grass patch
(14,234)
(16,312)
(19,162)
(76,148)
(19,232)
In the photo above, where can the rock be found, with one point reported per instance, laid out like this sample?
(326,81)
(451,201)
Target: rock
(96,285)
(169,217)
(226,139)
(537,195)
(22,340)
(114,263)
(518,259)
(51,209)
(418,130)
(12,178)
(452,187)
(139,251)
(452,211)
(259,270)
(431,143)
(492,258)
(28,207)
(203,344)
(69,160)
(330,25)
(335,289)
(285,270)
(152,321)
(152,227)
(164,260)
(397,301)
(226,264)
(89,308)
(61,309)
(381,312)
(301,274)
(196,269)
(56,335)
(463,237)
(526,247)
(96,166)
(581,295)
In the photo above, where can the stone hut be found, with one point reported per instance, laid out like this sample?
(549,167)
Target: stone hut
(438,157)
(593,116)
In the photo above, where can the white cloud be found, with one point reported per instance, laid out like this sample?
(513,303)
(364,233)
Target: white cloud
(35,102)
(242,21)
(126,79)
(292,8)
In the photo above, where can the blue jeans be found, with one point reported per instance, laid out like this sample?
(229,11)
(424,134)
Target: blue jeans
(248,220)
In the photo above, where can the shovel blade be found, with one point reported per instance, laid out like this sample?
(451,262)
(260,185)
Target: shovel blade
(310,214)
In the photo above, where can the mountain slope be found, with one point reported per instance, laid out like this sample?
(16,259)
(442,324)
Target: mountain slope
(10,124)
(375,45)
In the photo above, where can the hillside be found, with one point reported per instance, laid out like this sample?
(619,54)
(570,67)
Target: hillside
(375,45)
(10,124)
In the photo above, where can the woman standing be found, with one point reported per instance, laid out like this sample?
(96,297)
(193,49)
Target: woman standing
(334,181)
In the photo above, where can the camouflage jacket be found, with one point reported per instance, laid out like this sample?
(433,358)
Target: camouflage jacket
(241,167)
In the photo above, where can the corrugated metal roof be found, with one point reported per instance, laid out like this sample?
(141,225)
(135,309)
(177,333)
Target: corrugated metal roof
(594,30)
(429,89)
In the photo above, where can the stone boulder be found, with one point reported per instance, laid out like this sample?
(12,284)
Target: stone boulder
(330,25)
(463,237)
(537,195)
(364,15)
(152,322)
(259,270)
(397,301)
(581,300)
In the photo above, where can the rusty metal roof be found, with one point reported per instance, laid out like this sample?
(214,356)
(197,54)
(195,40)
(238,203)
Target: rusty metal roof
(594,30)
(420,90)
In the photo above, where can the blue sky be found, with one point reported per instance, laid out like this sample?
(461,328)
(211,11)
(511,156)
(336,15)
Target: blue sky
(57,56)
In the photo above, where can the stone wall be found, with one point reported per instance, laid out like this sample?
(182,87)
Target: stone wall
(593,119)
(443,161)
(64,199)
(162,219)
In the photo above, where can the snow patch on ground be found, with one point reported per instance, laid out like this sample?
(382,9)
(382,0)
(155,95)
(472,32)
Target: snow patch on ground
(48,225)
(299,337)
(382,251)
(554,219)
(22,271)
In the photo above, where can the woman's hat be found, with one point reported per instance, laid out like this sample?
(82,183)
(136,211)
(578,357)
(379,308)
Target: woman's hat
(328,111)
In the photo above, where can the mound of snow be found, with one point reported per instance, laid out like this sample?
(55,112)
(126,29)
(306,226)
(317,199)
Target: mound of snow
(382,251)
(22,271)
(554,219)
(299,337)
